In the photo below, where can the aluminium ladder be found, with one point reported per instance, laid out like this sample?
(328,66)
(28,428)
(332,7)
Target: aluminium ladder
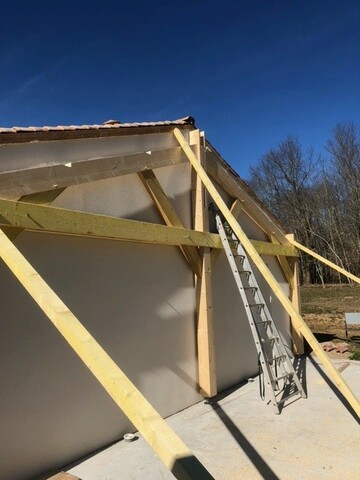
(274,361)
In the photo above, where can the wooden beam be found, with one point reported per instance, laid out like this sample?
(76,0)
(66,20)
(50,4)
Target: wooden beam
(325,260)
(33,180)
(285,266)
(169,215)
(269,248)
(235,210)
(59,220)
(19,215)
(63,476)
(237,188)
(40,198)
(204,298)
(162,439)
(270,279)
(293,265)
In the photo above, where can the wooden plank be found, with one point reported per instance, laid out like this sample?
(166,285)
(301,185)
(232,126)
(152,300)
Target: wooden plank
(58,220)
(270,279)
(269,248)
(40,198)
(162,439)
(33,180)
(235,187)
(204,298)
(63,476)
(235,210)
(168,213)
(325,260)
(296,336)
(19,215)
(285,266)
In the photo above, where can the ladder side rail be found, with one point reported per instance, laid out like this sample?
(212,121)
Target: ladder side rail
(259,298)
(286,366)
(235,270)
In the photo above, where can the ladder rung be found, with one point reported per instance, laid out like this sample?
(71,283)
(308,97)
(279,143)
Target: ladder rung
(276,358)
(288,396)
(263,321)
(270,339)
(286,375)
(269,344)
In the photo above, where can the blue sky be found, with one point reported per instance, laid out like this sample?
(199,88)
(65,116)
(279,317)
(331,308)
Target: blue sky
(249,72)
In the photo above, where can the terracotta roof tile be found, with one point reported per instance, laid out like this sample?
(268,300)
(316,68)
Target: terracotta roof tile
(110,124)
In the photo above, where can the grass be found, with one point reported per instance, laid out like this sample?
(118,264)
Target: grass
(355,355)
(333,299)
(324,311)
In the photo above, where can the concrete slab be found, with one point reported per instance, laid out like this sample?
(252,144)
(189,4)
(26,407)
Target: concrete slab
(237,436)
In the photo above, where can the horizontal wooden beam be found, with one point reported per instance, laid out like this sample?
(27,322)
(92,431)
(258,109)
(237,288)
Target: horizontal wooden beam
(332,371)
(323,260)
(41,198)
(162,439)
(59,220)
(39,218)
(33,180)
(268,248)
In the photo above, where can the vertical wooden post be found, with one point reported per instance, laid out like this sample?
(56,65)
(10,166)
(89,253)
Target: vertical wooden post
(297,338)
(332,371)
(205,327)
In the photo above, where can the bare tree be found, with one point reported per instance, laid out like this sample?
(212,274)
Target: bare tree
(284,180)
(317,199)
(344,177)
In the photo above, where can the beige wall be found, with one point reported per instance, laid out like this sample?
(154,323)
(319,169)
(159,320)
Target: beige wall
(138,302)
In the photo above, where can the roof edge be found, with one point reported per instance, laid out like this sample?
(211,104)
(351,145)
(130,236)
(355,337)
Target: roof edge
(108,128)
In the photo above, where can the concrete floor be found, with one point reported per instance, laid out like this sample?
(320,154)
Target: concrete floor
(239,437)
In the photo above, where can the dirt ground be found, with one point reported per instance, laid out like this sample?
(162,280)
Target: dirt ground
(324,310)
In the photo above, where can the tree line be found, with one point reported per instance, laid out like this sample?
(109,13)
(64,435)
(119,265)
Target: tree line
(317,197)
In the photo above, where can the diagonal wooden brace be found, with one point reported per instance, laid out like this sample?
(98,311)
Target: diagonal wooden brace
(162,439)
(268,276)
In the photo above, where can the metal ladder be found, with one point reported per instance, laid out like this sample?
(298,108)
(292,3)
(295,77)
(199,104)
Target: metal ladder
(274,361)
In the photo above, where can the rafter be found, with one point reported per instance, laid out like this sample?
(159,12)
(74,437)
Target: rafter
(37,179)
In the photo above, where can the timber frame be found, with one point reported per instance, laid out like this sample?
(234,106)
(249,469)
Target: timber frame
(200,248)
(290,307)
